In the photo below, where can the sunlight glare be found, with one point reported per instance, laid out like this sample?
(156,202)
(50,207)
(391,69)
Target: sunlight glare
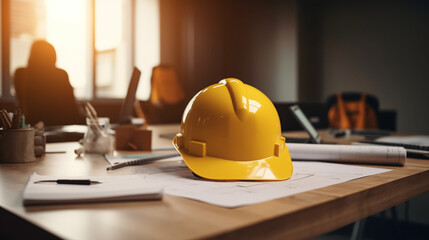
(67,30)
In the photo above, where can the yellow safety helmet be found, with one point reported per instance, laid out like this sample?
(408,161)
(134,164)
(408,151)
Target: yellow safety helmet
(231,131)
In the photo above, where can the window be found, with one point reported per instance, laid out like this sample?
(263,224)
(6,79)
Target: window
(147,42)
(63,23)
(97,42)
(112,47)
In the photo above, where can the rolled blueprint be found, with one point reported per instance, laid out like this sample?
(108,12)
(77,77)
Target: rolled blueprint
(385,155)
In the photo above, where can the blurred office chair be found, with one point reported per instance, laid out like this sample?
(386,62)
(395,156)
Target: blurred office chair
(353,110)
(167,98)
(166,88)
(44,92)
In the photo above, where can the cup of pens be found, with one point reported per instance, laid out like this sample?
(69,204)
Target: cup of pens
(16,140)
(17,145)
(97,138)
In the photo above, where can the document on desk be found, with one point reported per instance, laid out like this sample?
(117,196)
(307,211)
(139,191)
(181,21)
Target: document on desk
(422,140)
(108,188)
(178,180)
(386,155)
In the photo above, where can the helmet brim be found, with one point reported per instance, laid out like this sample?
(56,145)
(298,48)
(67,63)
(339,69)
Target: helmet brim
(269,169)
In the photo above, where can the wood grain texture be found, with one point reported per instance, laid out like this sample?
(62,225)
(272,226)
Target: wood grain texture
(299,216)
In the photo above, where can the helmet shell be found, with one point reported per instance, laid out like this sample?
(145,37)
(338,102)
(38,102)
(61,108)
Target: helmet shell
(231,131)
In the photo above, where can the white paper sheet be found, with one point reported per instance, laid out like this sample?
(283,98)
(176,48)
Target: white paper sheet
(112,188)
(178,180)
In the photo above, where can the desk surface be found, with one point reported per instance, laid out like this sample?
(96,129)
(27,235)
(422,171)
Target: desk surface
(302,215)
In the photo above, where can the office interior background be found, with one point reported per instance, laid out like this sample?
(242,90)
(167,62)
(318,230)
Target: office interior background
(292,50)
(307,50)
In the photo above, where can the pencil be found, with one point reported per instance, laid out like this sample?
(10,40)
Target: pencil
(142,161)
(16,118)
(5,119)
(92,110)
(92,121)
(92,115)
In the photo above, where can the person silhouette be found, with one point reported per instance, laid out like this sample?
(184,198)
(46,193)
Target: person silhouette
(44,92)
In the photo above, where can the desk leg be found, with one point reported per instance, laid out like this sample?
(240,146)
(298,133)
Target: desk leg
(358,228)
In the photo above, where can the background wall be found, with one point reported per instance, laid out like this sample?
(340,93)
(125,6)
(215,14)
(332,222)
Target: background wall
(252,40)
(380,47)
(306,50)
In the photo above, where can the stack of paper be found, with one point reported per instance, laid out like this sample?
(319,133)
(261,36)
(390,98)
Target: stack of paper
(111,188)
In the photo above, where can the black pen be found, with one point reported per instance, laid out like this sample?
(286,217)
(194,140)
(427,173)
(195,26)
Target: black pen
(70,181)
(54,152)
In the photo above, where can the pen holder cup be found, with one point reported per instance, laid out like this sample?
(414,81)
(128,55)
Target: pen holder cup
(17,145)
(97,138)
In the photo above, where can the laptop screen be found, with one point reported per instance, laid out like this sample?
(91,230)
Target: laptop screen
(305,123)
(128,103)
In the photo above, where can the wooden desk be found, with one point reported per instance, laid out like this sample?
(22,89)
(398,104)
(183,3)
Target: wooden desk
(299,216)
